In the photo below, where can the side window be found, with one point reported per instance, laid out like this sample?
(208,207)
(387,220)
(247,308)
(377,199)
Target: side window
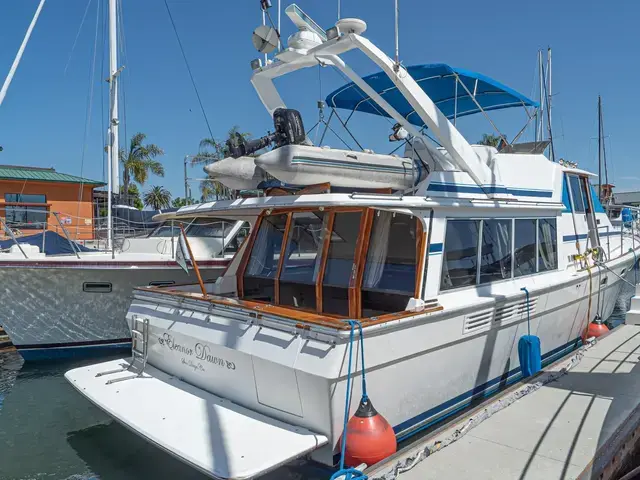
(390,270)
(584,183)
(236,242)
(209,227)
(547,245)
(576,192)
(495,251)
(524,255)
(460,256)
(340,262)
(259,277)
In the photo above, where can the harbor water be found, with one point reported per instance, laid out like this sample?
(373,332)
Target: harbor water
(49,431)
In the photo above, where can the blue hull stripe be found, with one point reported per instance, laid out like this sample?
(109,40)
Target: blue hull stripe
(78,351)
(456,188)
(484,390)
(583,236)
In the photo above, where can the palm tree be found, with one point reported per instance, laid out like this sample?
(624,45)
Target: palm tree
(490,140)
(140,160)
(211,150)
(157,198)
(181,202)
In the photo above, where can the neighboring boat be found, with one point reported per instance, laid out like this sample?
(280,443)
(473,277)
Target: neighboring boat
(254,374)
(73,303)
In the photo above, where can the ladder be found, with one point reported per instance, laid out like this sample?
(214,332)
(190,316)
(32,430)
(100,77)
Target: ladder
(139,351)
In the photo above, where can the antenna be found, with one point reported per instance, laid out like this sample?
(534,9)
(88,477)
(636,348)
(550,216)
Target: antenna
(338,9)
(552,153)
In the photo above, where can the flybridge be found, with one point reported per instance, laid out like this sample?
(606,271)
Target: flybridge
(415,97)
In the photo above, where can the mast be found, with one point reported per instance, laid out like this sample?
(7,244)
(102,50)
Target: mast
(540,129)
(549,130)
(600,148)
(113,147)
(16,61)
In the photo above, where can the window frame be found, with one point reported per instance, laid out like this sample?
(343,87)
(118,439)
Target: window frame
(513,235)
(26,207)
(354,288)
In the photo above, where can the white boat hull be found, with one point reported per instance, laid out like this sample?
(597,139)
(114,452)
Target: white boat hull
(436,363)
(47,313)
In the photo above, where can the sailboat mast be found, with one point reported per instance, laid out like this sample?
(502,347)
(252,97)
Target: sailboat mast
(16,61)
(113,147)
(600,148)
(551,149)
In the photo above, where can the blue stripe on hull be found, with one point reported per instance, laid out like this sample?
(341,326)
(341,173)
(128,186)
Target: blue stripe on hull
(33,354)
(464,400)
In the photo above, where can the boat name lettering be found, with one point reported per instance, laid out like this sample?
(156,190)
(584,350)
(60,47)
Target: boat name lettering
(171,344)
(203,353)
(199,351)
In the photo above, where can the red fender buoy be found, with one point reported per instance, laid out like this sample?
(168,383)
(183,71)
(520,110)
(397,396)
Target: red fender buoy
(595,329)
(370,438)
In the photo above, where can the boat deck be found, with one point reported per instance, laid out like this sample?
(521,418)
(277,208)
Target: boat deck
(581,425)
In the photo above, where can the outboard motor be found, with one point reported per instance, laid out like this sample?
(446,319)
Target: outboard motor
(289,130)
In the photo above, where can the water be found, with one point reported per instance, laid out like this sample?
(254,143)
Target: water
(49,431)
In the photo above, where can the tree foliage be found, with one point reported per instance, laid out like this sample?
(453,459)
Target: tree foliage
(133,196)
(140,161)
(181,202)
(212,150)
(157,198)
(490,140)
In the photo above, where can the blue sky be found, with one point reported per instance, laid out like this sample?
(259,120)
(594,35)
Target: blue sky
(42,120)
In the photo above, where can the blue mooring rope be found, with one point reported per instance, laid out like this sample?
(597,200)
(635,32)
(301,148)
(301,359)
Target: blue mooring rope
(351,473)
(526,292)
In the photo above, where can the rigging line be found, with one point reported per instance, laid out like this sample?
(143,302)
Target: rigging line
(87,125)
(186,62)
(75,41)
(604,146)
(102,93)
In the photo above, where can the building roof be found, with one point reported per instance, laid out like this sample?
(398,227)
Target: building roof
(38,174)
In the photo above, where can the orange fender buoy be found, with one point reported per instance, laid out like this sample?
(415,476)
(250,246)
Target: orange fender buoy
(370,438)
(595,329)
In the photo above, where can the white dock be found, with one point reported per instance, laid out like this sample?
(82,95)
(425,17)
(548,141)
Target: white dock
(581,425)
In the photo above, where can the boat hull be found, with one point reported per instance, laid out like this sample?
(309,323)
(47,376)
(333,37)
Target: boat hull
(48,314)
(434,360)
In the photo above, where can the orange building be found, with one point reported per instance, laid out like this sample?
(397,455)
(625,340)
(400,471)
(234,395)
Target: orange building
(30,198)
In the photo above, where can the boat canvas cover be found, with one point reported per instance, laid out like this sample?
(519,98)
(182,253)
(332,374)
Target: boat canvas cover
(439,82)
(218,437)
(54,244)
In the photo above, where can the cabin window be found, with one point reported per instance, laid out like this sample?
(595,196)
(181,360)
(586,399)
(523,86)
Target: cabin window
(340,262)
(524,247)
(24,212)
(460,256)
(259,276)
(390,271)
(576,193)
(495,252)
(234,244)
(547,245)
(209,228)
(302,256)
(166,230)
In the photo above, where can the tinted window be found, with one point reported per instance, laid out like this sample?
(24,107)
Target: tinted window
(209,227)
(26,217)
(525,248)
(585,194)
(25,198)
(166,230)
(302,259)
(460,257)
(263,262)
(547,245)
(495,253)
(236,242)
(342,247)
(390,271)
(576,192)
(340,262)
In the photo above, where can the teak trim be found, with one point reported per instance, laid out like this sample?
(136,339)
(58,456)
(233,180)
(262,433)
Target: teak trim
(246,256)
(283,249)
(259,308)
(326,242)
(362,246)
(359,262)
